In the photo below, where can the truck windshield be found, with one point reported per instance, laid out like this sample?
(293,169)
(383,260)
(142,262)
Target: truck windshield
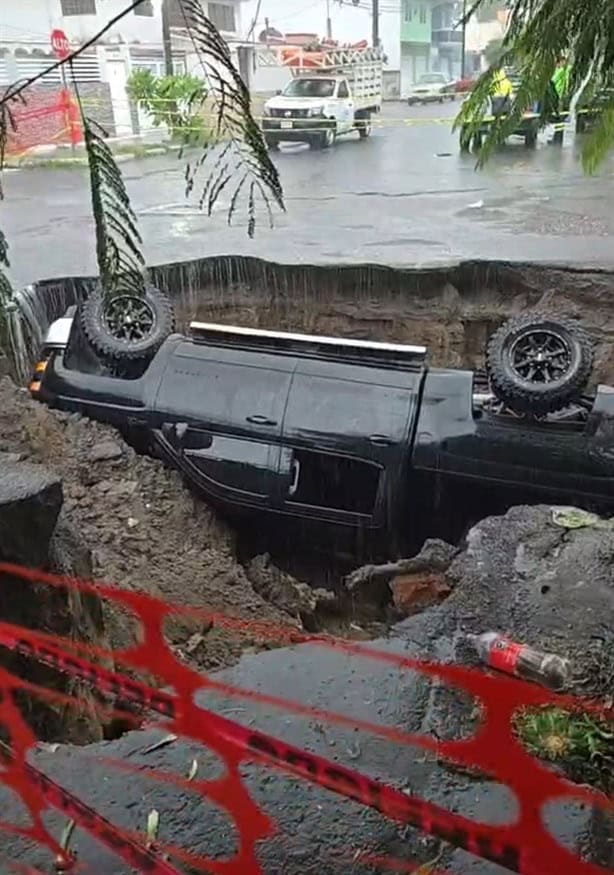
(310,88)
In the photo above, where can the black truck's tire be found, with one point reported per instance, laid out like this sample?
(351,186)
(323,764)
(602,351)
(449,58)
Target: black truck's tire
(127,327)
(538,364)
(272,143)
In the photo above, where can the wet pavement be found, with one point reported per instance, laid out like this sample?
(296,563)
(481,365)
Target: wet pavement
(404,197)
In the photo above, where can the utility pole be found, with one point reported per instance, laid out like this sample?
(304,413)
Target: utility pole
(329,24)
(375,23)
(166,38)
(464,40)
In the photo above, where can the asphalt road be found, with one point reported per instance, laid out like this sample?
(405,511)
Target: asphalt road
(406,196)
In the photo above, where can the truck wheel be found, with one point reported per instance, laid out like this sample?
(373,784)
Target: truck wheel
(538,364)
(323,140)
(465,139)
(271,144)
(127,327)
(530,139)
(364,126)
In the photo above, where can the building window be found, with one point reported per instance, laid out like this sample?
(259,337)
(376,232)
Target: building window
(222,16)
(423,15)
(78,7)
(406,10)
(146,9)
(175,15)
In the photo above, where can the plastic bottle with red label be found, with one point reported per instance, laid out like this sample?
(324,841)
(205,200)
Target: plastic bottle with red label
(503,654)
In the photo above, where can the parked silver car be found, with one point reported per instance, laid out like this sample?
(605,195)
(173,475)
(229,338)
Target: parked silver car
(431,87)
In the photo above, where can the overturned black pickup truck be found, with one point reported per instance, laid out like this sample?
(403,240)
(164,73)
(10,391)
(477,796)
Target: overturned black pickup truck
(357,439)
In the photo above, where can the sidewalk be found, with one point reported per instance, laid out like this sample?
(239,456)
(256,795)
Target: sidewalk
(66,156)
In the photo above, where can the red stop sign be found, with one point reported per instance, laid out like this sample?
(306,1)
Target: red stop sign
(60,44)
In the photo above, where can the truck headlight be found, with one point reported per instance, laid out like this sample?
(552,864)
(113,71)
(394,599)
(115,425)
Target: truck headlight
(316,111)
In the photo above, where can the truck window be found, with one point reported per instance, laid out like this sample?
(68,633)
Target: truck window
(335,482)
(304,87)
(344,91)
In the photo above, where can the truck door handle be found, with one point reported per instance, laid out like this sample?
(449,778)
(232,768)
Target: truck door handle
(380,440)
(296,470)
(258,419)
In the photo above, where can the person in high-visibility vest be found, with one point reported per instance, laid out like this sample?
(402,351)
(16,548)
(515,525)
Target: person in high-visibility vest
(560,81)
(559,96)
(501,93)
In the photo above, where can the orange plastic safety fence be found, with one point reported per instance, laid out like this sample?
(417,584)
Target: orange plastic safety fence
(48,118)
(524,846)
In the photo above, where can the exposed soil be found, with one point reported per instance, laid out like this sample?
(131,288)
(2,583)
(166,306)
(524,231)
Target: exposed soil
(147,531)
(452,311)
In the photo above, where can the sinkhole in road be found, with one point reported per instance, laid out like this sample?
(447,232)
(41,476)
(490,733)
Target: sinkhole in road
(451,309)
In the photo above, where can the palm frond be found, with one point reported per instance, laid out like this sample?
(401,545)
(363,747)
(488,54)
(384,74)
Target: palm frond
(601,141)
(539,32)
(7,120)
(245,153)
(118,241)
(7,123)
(6,289)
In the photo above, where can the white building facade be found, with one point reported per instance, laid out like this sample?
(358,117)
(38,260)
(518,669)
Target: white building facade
(134,42)
(26,26)
(31,21)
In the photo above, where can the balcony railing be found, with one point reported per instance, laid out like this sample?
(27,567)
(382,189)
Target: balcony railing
(446,36)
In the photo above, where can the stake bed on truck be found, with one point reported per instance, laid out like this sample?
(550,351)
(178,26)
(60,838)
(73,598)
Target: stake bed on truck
(331,93)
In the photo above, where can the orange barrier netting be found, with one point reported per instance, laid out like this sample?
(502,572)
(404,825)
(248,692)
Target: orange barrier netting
(48,118)
(523,846)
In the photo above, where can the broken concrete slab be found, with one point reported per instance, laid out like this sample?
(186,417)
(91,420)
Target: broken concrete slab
(30,501)
(298,599)
(106,451)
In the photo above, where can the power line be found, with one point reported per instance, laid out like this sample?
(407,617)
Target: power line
(254,20)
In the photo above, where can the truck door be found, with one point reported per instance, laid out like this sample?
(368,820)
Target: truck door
(219,413)
(346,438)
(345,107)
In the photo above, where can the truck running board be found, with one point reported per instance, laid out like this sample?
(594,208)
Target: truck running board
(365,352)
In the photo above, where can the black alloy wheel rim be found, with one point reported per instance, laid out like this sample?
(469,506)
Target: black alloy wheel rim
(540,356)
(129,318)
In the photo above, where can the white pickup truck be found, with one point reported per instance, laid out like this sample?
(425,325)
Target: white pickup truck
(331,93)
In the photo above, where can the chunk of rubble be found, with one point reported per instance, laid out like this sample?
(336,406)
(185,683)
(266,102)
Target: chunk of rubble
(415,583)
(296,598)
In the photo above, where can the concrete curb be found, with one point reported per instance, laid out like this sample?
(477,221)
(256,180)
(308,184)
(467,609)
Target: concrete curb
(52,159)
